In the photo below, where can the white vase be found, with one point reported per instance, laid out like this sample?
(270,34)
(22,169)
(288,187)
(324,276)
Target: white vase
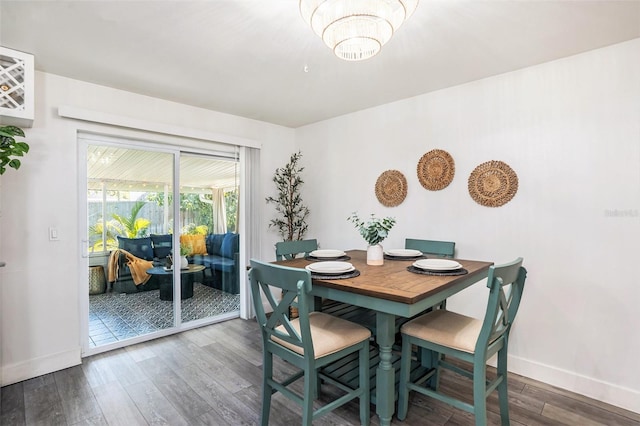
(184,263)
(375,255)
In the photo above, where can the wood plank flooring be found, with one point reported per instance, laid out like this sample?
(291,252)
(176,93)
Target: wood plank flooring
(212,376)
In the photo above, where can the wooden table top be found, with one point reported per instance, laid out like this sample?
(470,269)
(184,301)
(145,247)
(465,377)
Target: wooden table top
(392,281)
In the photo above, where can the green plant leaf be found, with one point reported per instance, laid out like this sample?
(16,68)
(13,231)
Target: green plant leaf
(374,231)
(133,226)
(10,148)
(22,146)
(11,131)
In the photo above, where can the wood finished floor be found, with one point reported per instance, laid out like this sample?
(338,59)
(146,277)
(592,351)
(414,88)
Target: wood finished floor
(212,376)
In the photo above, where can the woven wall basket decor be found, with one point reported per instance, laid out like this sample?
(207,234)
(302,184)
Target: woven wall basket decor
(391,188)
(493,184)
(436,169)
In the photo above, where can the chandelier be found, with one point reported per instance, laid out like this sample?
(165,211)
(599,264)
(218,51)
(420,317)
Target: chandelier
(356,29)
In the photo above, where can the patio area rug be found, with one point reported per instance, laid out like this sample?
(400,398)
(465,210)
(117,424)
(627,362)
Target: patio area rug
(114,317)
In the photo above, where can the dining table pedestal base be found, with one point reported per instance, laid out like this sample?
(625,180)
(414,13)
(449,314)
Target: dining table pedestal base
(346,371)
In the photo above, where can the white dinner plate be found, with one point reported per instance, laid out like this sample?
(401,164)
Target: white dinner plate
(437,264)
(327,253)
(330,267)
(403,253)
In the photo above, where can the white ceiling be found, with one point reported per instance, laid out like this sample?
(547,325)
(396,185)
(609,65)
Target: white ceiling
(136,170)
(247,58)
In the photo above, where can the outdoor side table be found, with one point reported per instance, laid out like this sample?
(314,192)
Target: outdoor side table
(166,281)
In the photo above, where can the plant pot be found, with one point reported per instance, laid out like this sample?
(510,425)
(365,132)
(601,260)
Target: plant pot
(97,282)
(375,255)
(184,263)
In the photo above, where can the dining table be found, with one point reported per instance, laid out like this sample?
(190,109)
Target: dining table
(391,291)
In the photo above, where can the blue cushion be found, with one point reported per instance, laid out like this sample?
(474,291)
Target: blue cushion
(162,245)
(214,243)
(224,265)
(139,247)
(216,262)
(230,245)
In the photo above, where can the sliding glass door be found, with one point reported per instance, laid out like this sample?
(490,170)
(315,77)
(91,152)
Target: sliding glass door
(158,257)
(127,204)
(209,237)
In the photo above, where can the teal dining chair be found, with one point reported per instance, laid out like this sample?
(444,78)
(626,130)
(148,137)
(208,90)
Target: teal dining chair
(432,247)
(290,249)
(287,250)
(468,339)
(438,248)
(310,342)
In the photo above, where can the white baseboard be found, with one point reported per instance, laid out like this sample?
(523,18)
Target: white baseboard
(14,373)
(613,394)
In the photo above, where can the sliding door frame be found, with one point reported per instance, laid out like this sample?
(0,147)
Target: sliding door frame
(168,139)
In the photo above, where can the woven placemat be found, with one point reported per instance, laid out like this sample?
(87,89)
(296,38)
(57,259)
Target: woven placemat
(437,273)
(350,274)
(325,259)
(493,184)
(389,257)
(391,188)
(436,169)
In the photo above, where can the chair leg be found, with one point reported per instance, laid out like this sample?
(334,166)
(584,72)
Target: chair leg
(364,385)
(267,390)
(310,389)
(503,394)
(480,391)
(405,371)
(316,386)
(431,360)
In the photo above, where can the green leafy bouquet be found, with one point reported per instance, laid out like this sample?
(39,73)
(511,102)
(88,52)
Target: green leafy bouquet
(373,231)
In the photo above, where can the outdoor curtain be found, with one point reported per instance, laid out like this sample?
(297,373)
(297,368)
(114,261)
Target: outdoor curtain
(219,211)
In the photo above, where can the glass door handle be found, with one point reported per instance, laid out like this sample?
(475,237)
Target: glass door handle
(84,248)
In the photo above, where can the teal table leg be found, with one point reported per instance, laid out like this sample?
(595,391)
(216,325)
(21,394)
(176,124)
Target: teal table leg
(385,374)
(317,304)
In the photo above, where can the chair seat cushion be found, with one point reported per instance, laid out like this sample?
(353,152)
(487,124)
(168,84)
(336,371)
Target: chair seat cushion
(445,328)
(329,334)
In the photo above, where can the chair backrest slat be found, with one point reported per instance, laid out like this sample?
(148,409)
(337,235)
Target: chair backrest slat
(502,305)
(438,248)
(295,284)
(289,249)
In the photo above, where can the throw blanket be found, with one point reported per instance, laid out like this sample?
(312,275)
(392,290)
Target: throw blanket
(137,266)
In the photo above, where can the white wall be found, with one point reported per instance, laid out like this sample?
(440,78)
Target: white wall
(40,286)
(571,131)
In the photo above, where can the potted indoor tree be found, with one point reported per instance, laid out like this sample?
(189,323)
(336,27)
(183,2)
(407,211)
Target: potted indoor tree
(374,232)
(292,221)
